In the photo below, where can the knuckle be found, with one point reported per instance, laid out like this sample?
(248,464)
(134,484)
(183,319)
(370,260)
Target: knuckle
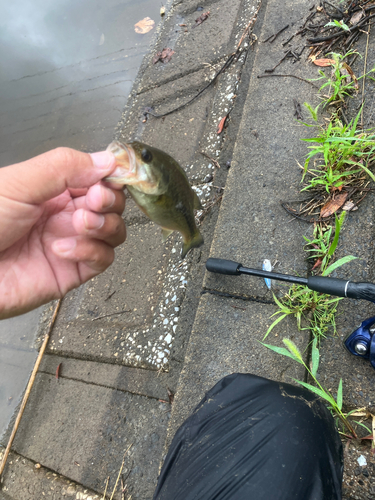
(65,155)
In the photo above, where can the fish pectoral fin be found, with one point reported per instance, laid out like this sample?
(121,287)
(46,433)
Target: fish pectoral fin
(197,204)
(165,233)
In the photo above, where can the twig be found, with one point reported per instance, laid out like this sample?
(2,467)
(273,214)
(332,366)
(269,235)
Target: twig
(228,62)
(272,38)
(291,76)
(112,314)
(334,7)
(215,162)
(278,64)
(106,486)
(29,387)
(364,72)
(119,474)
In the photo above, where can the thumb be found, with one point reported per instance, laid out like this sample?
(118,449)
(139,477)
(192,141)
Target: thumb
(48,175)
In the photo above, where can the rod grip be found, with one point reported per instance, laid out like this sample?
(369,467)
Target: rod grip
(364,291)
(222,266)
(331,286)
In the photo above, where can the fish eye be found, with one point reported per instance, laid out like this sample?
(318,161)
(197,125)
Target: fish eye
(146,155)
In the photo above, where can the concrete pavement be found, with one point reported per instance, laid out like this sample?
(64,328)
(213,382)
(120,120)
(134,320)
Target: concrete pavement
(151,323)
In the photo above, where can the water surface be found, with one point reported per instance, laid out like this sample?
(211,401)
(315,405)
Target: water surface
(66,70)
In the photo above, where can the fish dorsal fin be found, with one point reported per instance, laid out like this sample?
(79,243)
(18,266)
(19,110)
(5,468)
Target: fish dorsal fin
(165,233)
(197,203)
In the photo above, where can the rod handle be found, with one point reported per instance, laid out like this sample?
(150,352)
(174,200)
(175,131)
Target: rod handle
(222,266)
(342,288)
(331,286)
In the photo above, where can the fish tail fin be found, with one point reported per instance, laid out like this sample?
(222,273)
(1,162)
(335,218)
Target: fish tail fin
(195,242)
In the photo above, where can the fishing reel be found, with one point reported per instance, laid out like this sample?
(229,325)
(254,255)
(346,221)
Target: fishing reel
(362,341)
(359,343)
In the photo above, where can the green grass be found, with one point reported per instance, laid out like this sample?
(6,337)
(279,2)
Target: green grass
(341,152)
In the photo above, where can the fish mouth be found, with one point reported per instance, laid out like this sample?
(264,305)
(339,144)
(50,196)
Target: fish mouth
(125,161)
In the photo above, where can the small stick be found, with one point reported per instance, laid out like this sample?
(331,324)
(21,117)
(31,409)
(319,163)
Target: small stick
(112,314)
(291,76)
(334,7)
(289,39)
(106,486)
(273,37)
(278,64)
(29,387)
(215,162)
(119,474)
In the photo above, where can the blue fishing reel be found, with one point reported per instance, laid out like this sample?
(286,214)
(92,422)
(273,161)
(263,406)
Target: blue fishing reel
(362,341)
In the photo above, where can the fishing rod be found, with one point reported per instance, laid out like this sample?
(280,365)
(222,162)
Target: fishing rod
(361,342)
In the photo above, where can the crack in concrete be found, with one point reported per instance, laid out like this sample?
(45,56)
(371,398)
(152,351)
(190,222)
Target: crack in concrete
(247,298)
(112,388)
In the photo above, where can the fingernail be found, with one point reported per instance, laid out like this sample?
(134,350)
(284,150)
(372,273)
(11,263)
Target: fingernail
(93,221)
(103,160)
(108,198)
(64,246)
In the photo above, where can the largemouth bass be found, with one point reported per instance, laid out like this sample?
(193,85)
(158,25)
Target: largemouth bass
(160,188)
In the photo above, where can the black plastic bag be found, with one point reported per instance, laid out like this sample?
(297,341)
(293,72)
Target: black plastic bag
(253,438)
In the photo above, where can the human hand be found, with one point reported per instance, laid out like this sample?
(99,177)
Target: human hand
(58,226)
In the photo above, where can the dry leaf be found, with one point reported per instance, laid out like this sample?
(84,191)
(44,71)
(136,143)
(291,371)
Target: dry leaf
(201,18)
(349,205)
(324,62)
(164,56)
(333,205)
(356,17)
(350,71)
(221,124)
(144,26)
(317,263)
(58,369)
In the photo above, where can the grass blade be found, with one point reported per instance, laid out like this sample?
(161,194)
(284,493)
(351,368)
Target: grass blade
(314,357)
(338,263)
(274,324)
(281,350)
(318,391)
(339,395)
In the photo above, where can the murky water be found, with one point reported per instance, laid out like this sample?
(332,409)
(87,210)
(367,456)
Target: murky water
(66,70)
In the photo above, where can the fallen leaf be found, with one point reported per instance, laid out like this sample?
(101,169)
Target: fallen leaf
(356,17)
(324,62)
(333,205)
(349,205)
(351,73)
(221,124)
(164,56)
(144,26)
(58,371)
(317,263)
(201,18)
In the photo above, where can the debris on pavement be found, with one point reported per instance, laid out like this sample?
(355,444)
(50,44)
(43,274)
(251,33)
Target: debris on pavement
(201,19)
(164,56)
(144,26)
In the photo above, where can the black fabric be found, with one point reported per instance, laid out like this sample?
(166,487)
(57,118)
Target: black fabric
(253,438)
